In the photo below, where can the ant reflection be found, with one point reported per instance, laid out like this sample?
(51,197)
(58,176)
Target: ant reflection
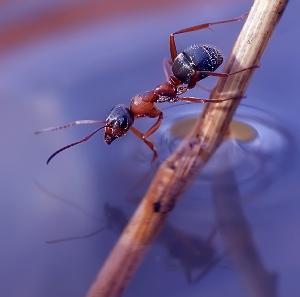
(195,63)
(191,252)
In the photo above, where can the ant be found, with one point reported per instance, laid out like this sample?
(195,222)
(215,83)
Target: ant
(195,63)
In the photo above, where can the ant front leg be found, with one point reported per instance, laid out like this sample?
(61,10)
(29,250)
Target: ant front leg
(173,50)
(156,112)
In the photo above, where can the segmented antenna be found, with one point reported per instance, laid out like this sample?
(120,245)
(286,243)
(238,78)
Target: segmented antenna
(69,125)
(74,143)
(81,122)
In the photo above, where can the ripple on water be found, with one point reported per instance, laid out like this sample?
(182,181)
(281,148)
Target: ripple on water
(258,146)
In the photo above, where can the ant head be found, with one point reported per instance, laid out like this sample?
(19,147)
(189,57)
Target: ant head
(118,123)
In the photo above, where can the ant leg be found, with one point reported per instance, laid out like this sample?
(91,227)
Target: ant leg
(204,100)
(156,125)
(173,50)
(147,141)
(167,70)
(156,112)
(222,74)
(203,88)
(169,75)
(194,78)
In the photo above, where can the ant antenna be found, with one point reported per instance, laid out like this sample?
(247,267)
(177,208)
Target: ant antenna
(69,125)
(81,122)
(74,143)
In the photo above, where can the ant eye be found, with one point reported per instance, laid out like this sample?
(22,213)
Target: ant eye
(123,122)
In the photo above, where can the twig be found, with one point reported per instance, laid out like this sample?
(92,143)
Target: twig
(179,170)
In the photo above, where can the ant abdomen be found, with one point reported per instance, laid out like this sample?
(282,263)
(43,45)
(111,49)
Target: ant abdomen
(194,58)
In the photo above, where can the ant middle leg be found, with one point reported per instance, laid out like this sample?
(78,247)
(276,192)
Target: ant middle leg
(173,50)
(155,113)
(150,144)
(204,100)
(194,79)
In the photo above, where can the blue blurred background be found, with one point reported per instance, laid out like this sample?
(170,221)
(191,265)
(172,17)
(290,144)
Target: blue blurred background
(62,61)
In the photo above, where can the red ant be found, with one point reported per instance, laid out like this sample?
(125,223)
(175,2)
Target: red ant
(195,63)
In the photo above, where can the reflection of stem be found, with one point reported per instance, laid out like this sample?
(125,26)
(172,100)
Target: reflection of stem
(178,171)
(236,234)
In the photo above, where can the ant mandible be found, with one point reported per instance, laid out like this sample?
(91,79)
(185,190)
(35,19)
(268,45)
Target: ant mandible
(195,63)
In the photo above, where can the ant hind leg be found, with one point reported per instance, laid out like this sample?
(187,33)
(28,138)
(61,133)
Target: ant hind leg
(173,50)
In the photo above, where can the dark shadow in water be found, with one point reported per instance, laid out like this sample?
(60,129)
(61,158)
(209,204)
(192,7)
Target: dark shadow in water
(196,256)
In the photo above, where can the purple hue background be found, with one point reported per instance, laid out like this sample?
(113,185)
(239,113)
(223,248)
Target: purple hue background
(81,72)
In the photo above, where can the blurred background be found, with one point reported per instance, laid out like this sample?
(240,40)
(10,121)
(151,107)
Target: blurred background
(234,233)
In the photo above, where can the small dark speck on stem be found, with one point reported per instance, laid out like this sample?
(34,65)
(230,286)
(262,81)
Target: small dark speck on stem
(156,206)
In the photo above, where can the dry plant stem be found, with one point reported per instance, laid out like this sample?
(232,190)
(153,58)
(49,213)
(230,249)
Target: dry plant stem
(178,171)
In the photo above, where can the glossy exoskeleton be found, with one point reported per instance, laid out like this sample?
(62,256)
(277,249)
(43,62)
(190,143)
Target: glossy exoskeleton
(194,58)
(195,63)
